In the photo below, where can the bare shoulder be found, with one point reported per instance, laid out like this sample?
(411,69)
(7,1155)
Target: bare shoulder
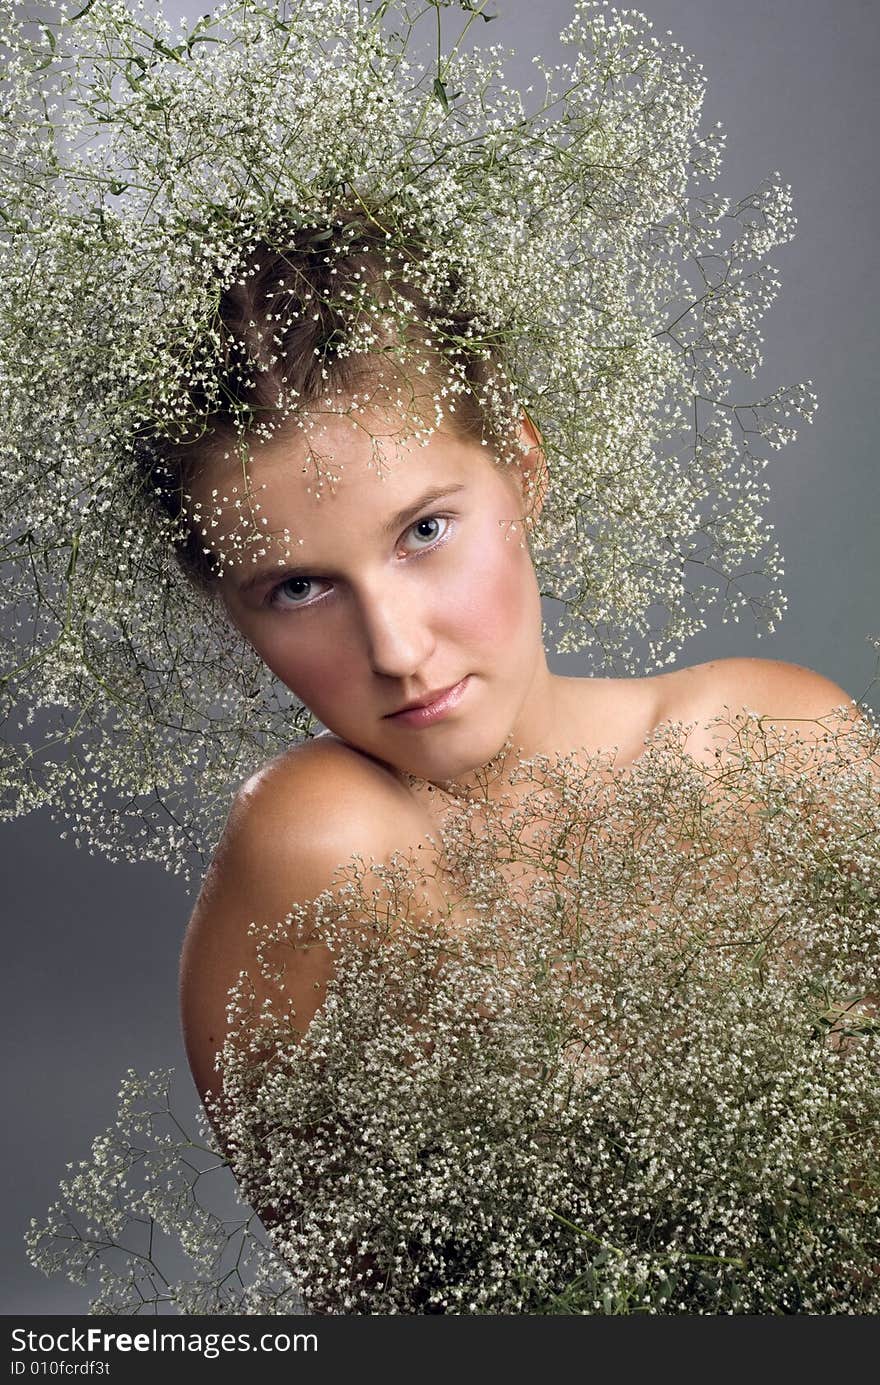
(320,795)
(802,699)
(291,827)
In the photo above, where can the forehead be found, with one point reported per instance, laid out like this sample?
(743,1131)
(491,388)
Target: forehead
(340,472)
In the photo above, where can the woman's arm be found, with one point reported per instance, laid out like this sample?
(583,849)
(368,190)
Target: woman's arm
(290,828)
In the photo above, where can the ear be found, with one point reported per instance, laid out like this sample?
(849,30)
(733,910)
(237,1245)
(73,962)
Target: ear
(533,469)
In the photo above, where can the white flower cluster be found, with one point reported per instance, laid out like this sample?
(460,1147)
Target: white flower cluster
(577,241)
(153,1217)
(631,1066)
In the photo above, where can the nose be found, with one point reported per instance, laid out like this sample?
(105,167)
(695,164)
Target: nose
(396,632)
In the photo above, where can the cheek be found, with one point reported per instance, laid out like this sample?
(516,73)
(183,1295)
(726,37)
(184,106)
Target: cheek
(313,669)
(318,676)
(492,593)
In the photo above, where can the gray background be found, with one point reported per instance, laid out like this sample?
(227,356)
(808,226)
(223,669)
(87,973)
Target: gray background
(90,974)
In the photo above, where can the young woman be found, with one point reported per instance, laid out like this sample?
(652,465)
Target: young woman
(405,349)
(406,615)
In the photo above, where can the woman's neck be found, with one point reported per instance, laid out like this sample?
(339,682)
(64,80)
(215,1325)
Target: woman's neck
(577,718)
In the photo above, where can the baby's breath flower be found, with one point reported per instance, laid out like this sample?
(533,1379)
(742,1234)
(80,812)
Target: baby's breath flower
(630,1070)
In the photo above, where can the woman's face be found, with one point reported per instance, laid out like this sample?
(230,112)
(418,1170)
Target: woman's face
(383,590)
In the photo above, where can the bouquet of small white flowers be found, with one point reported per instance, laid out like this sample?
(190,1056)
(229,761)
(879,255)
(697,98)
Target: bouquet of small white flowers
(632,1067)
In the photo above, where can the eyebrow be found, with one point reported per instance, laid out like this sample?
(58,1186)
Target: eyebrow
(391,526)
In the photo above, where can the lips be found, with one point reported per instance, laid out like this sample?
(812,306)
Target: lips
(426,700)
(423,712)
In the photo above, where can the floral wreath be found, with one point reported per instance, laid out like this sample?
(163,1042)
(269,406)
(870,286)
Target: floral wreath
(578,238)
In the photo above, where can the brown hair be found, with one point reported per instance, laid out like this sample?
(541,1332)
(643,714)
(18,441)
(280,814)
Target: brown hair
(325,265)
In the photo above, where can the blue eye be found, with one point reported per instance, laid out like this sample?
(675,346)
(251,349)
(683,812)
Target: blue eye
(292,597)
(293,582)
(428,521)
